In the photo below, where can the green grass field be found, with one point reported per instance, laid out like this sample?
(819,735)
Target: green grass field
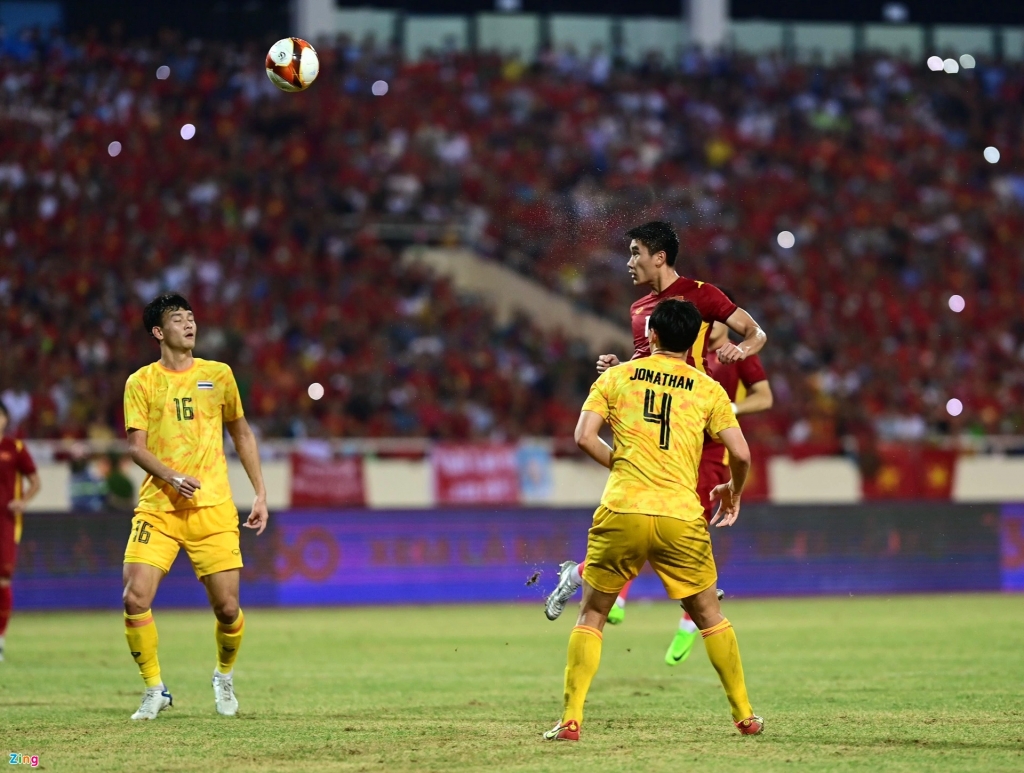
(907,683)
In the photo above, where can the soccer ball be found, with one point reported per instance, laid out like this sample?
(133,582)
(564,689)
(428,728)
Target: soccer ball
(292,64)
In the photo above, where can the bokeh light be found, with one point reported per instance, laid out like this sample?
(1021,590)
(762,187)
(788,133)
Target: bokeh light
(163,72)
(957,303)
(316,391)
(992,154)
(786,239)
(954,407)
(967,62)
(188,131)
(935,63)
(114,148)
(379,88)
(950,66)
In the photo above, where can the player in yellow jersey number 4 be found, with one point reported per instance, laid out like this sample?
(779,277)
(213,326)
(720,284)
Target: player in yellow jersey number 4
(658,409)
(175,413)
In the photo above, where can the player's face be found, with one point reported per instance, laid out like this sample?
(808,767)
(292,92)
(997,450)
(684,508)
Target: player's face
(179,330)
(641,264)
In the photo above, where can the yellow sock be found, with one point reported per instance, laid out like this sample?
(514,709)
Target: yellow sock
(584,658)
(229,639)
(140,630)
(724,654)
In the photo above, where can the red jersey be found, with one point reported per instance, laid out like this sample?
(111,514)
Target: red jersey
(735,378)
(711,302)
(15,462)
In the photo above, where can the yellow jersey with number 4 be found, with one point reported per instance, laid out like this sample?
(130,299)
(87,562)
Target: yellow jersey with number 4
(658,409)
(183,413)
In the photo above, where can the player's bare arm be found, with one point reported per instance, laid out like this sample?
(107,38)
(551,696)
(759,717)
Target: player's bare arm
(754,338)
(759,398)
(185,485)
(249,454)
(739,467)
(589,441)
(18,505)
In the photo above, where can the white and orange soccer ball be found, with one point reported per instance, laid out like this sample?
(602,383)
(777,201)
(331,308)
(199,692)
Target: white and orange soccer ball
(292,64)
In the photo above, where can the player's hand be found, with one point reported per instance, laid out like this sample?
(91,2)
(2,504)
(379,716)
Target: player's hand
(606,361)
(730,353)
(730,508)
(186,485)
(16,505)
(259,516)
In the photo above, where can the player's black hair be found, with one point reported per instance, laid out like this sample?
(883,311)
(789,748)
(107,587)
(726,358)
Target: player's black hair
(657,236)
(677,324)
(153,314)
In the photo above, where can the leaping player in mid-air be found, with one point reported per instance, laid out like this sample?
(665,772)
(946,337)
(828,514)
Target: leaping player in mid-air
(653,249)
(175,412)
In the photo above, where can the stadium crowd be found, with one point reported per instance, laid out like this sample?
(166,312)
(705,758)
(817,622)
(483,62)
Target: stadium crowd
(284,218)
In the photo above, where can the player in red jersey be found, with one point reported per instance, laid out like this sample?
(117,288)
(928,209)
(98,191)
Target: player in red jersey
(746,384)
(653,249)
(15,464)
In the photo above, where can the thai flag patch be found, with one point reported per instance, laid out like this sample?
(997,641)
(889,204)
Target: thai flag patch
(205,385)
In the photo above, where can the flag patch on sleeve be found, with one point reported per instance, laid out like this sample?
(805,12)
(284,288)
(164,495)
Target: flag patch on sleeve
(205,385)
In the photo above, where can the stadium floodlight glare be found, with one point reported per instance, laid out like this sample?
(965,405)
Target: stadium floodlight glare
(957,303)
(188,131)
(316,391)
(786,239)
(935,63)
(163,72)
(992,154)
(954,407)
(114,148)
(967,62)
(950,66)
(379,88)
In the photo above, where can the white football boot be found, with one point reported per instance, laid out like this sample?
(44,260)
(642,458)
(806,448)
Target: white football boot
(154,701)
(567,586)
(224,694)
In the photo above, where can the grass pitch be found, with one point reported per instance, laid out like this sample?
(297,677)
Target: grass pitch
(907,683)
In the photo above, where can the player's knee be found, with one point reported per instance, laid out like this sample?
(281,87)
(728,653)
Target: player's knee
(226,610)
(135,603)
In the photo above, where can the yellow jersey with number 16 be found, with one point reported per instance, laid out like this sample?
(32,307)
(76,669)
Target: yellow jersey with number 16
(183,413)
(658,408)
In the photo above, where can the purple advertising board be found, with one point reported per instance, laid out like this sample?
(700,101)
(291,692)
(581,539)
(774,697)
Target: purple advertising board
(323,557)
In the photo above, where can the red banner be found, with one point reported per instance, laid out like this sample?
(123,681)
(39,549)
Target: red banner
(910,472)
(320,482)
(475,474)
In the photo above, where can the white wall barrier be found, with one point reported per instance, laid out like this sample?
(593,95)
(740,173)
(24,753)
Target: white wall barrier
(408,483)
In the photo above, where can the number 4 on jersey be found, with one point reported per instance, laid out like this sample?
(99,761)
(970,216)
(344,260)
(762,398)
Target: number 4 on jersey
(662,416)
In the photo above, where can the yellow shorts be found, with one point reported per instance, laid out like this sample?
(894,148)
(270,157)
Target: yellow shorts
(208,534)
(678,551)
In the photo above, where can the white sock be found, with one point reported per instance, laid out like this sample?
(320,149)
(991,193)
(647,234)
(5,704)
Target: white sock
(575,576)
(686,624)
(216,672)
(620,602)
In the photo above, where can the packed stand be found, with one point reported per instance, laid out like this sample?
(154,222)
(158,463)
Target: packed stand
(285,215)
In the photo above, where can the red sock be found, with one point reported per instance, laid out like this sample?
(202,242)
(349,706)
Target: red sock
(6,602)
(624,593)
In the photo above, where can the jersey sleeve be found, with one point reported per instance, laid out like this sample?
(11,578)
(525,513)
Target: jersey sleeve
(232,400)
(712,303)
(721,416)
(750,371)
(598,400)
(136,404)
(23,462)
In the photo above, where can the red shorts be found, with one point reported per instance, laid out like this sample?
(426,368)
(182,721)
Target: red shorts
(711,473)
(8,547)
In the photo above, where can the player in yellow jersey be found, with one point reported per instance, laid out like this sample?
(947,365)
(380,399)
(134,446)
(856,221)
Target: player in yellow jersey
(175,413)
(658,408)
